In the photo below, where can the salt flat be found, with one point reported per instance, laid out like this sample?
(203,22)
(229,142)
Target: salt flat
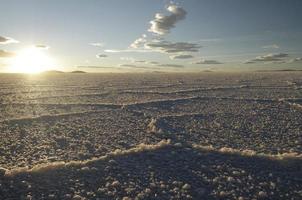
(151,136)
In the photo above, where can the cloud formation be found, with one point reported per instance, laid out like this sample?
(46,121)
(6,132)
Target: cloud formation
(272,46)
(137,67)
(128,59)
(101,56)
(171,65)
(295,60)
(6,54)
(207,62)
(268,58)
(126,51)
(139,42)
(181,56)
(96,67)
(140,61)
(172,47)
(97,44)
(127,65)
(7,40)
(153,62)
(42,46)
(162,24)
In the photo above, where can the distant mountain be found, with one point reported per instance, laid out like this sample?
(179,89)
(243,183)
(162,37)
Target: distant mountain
(53,72)
(280,70)
(78,72)
(207,70)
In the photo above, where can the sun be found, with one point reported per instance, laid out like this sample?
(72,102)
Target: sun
(31,60)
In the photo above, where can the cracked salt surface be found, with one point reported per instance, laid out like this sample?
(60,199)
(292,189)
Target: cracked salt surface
(151,136)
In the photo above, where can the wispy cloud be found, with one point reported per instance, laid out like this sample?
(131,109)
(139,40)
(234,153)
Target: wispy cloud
(42,46)
(172,47)
(130,59)
(101,56)
(295,60)
(207,62)
(210,40)
(271,46)
(181,56)
(97,44)
(268,58)
(7,40)
(162,24)
(171,65)
(139,42)
(127,51)
(96,67)
(153,62)
(137,67)
(140,61)
(6,54)
(127,65)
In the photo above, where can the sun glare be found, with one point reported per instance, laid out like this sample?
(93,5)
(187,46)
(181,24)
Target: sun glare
(31,60)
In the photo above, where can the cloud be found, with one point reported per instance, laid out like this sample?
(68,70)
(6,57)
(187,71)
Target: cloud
(101,56)
(181,56)
(127,65)
(295,60)
(162,24)
(268,58)
(96,67)
(127,51)
(172,47)
(141,61)
(6,54)
(130,59)
(153,63)
(207,62)
(160,46)
(249,62)
(139,42)
(137,67)
(272,46)
(171,65)
(210,40)
(42,46)
(7,40)
(97,44)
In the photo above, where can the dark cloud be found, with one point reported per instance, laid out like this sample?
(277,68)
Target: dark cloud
(181,56)
(42,46)
(6,54)
(162,24)
(153,62)
(7,40)
(141,61)
(268,58)
(172,47)
(101,56)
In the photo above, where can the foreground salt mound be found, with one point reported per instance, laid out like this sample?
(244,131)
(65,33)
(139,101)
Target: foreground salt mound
(159,171)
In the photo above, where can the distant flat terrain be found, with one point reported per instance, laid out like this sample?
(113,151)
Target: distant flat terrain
(151,136)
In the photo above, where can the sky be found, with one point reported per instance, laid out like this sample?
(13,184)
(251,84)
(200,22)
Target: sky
(151,35)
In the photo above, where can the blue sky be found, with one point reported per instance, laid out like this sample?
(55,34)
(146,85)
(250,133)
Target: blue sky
(187,35)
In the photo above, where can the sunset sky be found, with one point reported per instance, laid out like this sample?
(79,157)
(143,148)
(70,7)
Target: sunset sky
(150,35)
